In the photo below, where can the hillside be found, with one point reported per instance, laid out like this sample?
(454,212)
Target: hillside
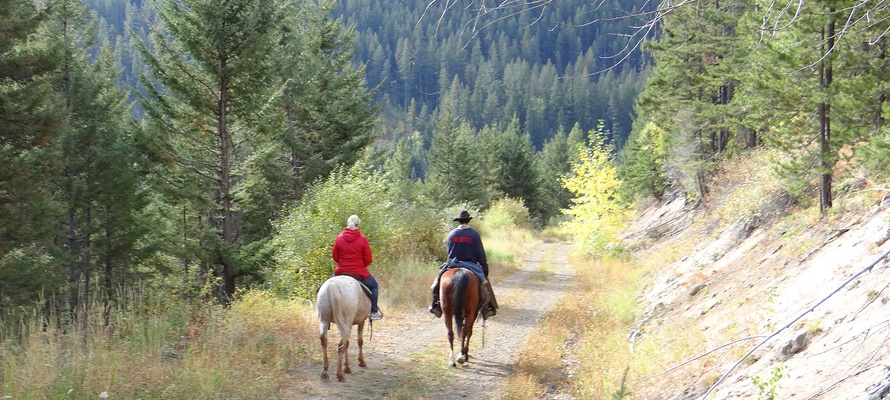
(730,287)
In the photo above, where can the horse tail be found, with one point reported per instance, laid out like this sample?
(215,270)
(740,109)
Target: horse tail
(461,282)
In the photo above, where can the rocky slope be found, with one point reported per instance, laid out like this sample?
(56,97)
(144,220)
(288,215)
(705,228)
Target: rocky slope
(784,307)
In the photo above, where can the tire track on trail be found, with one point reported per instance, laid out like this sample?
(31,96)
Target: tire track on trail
(408,356)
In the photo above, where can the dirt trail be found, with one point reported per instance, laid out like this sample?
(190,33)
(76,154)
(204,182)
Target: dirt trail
(408,356)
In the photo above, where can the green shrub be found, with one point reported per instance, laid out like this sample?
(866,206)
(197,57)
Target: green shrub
(395,230)
(306,235)
(506,213)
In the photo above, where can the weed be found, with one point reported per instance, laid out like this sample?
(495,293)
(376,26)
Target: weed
(767,388)
(622,391)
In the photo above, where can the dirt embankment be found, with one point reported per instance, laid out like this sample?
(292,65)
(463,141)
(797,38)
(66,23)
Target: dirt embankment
(794,292)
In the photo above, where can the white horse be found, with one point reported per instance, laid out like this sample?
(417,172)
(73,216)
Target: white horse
(342,301)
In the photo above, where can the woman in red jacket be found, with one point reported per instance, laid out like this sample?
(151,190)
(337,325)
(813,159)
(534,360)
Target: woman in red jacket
(352,253)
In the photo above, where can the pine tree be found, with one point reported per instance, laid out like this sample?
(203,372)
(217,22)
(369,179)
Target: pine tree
(643,166)
(517,176)
(455,164)
(329,117)
(31,116)
(796,69)
(212,67)
(555,162)
(689,89)
(101,230)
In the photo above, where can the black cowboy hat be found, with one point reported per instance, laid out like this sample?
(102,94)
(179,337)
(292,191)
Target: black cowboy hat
(463,216)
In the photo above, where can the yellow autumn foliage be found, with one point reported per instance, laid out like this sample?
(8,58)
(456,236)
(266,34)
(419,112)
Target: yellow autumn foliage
(597,214)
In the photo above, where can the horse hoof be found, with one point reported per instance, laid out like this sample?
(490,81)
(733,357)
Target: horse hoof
(453,364)
(347,370)
(324,375)
(362,364)
(461,360)
(341,378)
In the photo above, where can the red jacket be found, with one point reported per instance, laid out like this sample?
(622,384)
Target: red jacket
(352,253)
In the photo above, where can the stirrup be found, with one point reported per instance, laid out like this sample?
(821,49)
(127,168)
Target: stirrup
(436,310)
(489,311)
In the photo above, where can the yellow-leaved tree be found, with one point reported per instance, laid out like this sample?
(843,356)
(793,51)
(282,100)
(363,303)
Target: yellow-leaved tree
(597,213)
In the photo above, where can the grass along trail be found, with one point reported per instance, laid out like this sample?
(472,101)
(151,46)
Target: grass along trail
(407,357)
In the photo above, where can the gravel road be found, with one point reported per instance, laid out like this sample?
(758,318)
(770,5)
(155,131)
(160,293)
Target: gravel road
(408,355)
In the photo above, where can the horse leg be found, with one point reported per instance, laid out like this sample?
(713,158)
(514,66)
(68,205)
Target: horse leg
(462,335)
(450,329)
(324,349)
(361,342)
(343,351)
(468,329)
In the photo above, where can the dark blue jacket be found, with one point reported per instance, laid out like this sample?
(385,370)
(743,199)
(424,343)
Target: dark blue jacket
(466,245)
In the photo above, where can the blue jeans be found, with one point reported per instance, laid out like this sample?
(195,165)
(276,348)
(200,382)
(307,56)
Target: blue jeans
(476,268)
(371,283)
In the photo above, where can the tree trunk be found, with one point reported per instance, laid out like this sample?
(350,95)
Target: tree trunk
(225,183)
(825,72)
(107,281)
(294,158)
(109,265)
(73,251)
(87,267)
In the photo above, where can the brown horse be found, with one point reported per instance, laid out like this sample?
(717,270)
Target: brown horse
(459,291)
(342,301)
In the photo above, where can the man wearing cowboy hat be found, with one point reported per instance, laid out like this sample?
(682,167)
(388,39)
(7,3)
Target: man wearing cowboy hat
(465,250)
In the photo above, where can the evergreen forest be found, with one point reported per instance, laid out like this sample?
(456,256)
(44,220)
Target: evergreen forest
(203,148)
(170,142)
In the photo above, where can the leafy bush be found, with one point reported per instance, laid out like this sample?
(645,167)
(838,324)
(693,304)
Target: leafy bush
(506,213)
(306,235)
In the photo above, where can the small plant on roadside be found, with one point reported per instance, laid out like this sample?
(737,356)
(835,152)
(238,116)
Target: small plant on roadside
(814,326)
(622,391)
(767,388)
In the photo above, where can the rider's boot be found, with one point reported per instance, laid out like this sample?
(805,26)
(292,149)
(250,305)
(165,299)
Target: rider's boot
(435,307)
(490,308)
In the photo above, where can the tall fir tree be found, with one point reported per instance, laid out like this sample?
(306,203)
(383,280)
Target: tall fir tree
(691,85)
(328,111)
(792,71)
(100,228)
(555,162)
(642,163)
(455,172)
(516,173)
(207,108)
(32,114)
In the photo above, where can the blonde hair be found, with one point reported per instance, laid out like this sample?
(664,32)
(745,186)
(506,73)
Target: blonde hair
(353,222)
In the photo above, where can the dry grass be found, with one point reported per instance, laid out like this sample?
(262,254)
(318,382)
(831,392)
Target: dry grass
(160,352)
(586,331)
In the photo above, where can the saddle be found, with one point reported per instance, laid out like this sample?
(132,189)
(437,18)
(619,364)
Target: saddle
(484,287)
(358,278)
